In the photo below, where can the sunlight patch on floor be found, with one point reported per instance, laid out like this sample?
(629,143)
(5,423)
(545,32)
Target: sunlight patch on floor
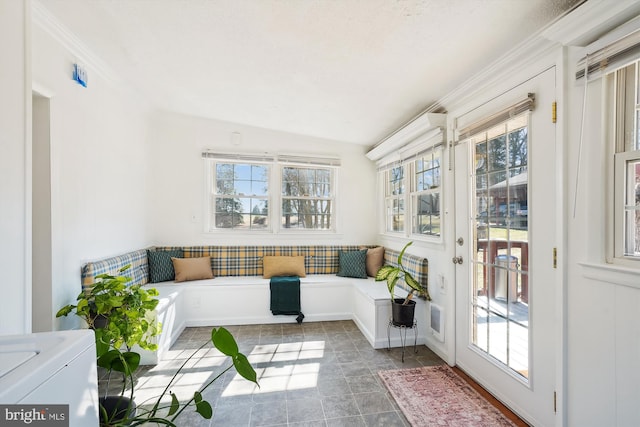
(287,377)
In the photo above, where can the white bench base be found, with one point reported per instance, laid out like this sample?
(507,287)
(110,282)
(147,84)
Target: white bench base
(245,300)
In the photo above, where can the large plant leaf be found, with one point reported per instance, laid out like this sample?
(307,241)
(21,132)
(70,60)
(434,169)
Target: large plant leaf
(224,341)
(383,272)
(106,359)
(64,311)
(175,405)
(402,254)
(244,368)
(102,343)
(413,283)
(126,362)
(202,406)
(392,279)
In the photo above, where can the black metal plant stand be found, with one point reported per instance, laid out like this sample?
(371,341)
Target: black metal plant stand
(403,335)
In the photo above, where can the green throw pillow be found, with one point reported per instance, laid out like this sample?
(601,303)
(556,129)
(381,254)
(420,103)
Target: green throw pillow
(160,265)
(353,264)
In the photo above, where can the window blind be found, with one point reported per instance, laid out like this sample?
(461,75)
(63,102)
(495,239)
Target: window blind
(495,119)
(430,141)
(395,163)
(238,157)
(266,157)
(611,57)
(308,161)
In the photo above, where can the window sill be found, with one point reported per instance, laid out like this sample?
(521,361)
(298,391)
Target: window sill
(612,273)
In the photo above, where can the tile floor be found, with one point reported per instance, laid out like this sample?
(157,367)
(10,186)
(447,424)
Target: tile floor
(314,374)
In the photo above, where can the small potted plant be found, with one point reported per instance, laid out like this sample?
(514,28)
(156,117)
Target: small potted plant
(121,316)
(402,309)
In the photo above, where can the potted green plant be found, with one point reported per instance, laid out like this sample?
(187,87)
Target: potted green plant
(121,316)
(402,309)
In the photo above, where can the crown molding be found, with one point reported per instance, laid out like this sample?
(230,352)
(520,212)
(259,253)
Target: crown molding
(525,56)
(43,18)
(425,123)
(590,21)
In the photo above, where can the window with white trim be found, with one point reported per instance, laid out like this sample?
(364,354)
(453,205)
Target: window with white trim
(395,198)
(624,83)
(425,194)
(307,198)
(241,196)
(256,193)
(412,190)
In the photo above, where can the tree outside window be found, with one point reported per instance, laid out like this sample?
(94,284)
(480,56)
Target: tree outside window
(395,198)
(307,198)
(241,196)
(426,194)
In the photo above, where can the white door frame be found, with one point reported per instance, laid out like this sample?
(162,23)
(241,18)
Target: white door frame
(543,102)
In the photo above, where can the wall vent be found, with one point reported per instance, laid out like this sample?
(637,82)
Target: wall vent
(437,322)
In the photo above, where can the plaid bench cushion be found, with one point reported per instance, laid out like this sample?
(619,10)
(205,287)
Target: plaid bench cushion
(139,270)
(417,266)
(247,261)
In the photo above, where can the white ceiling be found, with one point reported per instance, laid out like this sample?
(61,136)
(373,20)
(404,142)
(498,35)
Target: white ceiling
(347,70)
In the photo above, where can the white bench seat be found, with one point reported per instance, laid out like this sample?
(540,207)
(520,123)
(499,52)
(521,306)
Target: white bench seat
(245,300)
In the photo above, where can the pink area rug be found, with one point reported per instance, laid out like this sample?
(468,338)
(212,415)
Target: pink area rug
(436,396)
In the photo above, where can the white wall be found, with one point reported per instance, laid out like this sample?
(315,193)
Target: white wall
(15,140)
(42,295)
(177,190)
(603,366)
(99,166)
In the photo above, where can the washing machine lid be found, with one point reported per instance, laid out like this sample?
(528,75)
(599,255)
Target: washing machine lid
(33,359)
(11,360)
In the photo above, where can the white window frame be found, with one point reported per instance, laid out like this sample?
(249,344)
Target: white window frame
(406,158)
(274,196)
(330,199)
(621,195)
(622,156)
(415,192)
(389,199)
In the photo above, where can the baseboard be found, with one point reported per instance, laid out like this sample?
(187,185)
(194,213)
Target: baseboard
(260,320)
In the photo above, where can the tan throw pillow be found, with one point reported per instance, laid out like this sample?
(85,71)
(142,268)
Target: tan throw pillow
(375,260)
(192,268)
(283,266)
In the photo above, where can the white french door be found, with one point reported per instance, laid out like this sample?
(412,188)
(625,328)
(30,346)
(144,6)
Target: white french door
(505,236)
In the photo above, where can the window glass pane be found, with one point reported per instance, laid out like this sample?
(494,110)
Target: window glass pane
(306,214)
(518,148)
(259,214)
(242,172)
(519,349)
(497,154)
(394,198)
(428,214)
(481,157)
(243,187)
(632,209)
(500,307)
(240,196)
(224,171)
(228,213)
(397,180)
(425,196)
(307,202)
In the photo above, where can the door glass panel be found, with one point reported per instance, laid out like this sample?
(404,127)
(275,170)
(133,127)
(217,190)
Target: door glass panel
(500,288)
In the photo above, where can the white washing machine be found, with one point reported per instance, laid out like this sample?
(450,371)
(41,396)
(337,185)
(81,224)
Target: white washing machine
(51,368)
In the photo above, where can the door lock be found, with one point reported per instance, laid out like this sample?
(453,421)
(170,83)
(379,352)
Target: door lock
(457,260)
(460,241)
